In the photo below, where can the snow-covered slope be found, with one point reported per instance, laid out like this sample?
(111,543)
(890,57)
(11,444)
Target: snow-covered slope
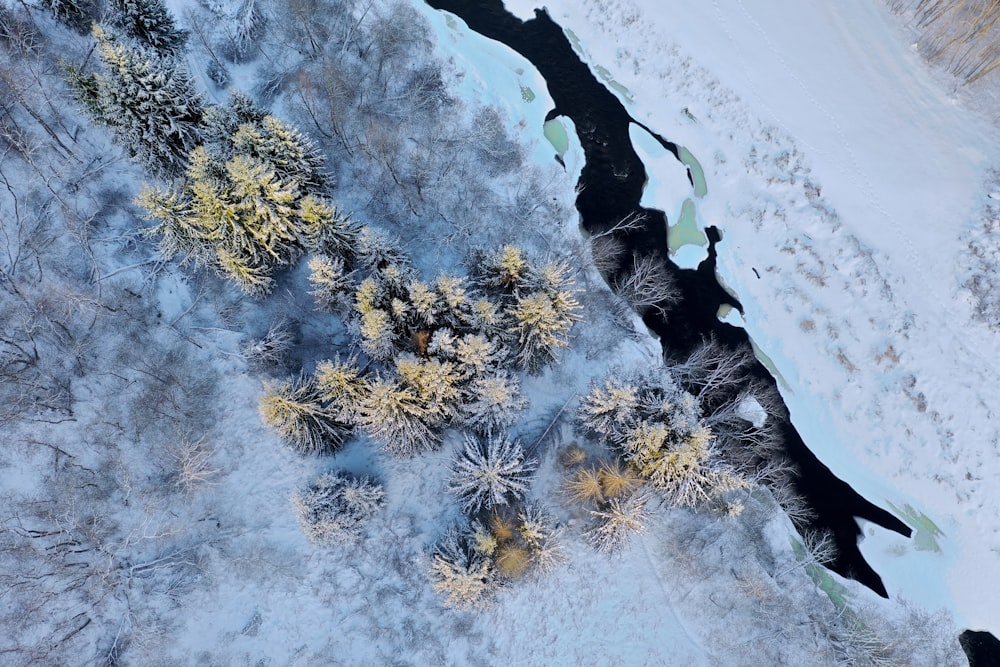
(842,170)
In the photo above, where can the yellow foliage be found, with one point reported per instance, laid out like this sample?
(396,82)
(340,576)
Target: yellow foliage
(586,486)
(513,560)
(617,481)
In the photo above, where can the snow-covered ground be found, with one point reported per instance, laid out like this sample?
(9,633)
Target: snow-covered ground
(842,169)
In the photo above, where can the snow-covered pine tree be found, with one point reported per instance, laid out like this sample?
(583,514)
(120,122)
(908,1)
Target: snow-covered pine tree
(396,418)
(241,214)
(335,507)
(435,383)
(331,285)
(296,411)
(491,472)
(657,427)
(149,102)
(464,574)
(342,387)
(541,325)
(491,403)
(75,14)
(617,522)
(149,23)
(250,26)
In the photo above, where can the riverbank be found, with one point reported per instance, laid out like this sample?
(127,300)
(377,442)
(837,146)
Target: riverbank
(838,174)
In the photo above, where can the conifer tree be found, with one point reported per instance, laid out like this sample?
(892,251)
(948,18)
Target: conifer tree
(492,472)
(296,412)
(334,508)
(149,102)
(241,127)
(395,417)
(149,23)
(464,574)
(76,14)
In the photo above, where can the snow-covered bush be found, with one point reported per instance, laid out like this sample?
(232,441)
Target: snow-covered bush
(491,472)
(462,572)
(296,411)
(646,283)
(657,428)
(617,522)
(334,508)
(269,350)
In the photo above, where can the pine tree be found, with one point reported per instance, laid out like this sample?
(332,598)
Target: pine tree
(492,472)
(149,23)
(296,412)
(541,324)
(465,575)
(334,508)
(435,384)
(491,403)
(396,418)
(617,522)
(239,217)
(342,387)
(75,14)
(149,102)
(331,285)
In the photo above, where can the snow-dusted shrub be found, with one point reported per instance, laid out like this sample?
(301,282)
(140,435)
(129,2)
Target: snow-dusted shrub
(657,428)
(461,572)
(296,411)
(646,283)
(585,486)
(617,522)
(271,348)
(491,472)
(334,508)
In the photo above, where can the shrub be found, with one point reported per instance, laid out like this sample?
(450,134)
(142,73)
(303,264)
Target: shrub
(334,508)
(617,522)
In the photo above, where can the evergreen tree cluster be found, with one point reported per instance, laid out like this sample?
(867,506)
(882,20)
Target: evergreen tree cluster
(439,351)
(657,429)
(473,561)
(249,202)
(145,97)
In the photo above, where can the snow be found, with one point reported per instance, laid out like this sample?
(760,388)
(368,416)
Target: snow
(848,174)
(220,573)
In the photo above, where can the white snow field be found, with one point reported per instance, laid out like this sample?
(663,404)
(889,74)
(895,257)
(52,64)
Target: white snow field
(849,175)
